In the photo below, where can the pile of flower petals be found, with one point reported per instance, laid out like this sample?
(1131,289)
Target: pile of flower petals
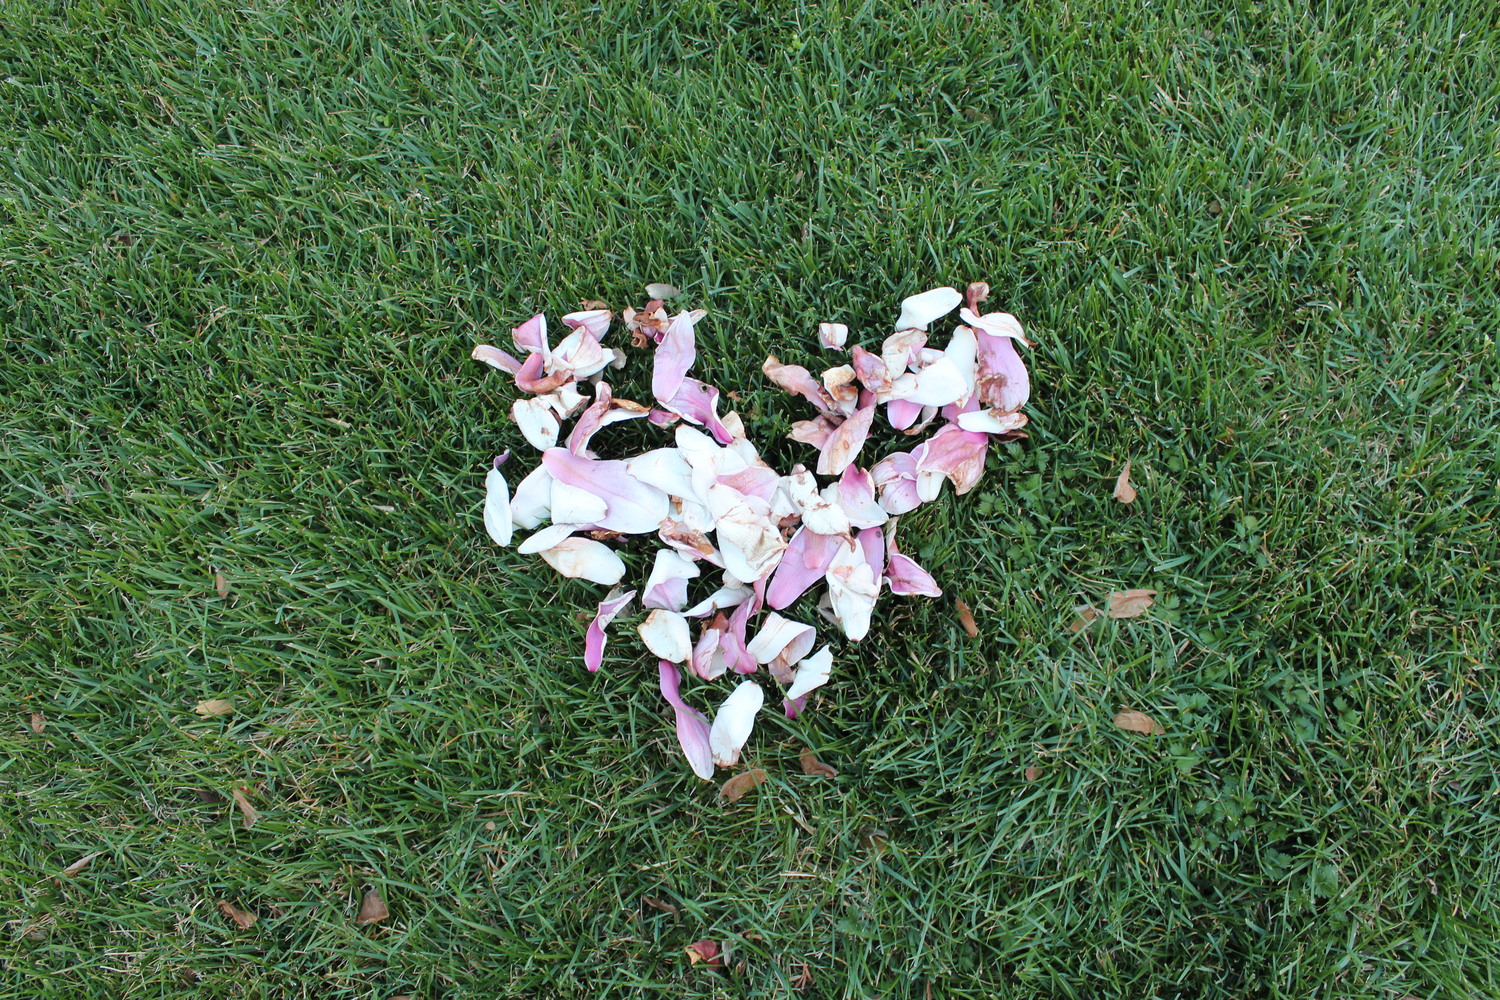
(717,508)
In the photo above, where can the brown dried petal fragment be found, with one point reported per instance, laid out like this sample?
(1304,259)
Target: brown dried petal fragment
(221,584)
(735,788)
(1138,722)
(815,767)
(247,811)
(966,619)
(372,909)
(1086,613)
(1124,492)
(78,865)
(244,921)
(593,304)
(706,951)
(657,904)
(976,293)
(1130,603)
(38,722)
(1032,773)
(214,706)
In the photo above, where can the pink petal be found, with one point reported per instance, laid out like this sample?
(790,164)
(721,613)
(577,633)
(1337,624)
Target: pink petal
(632,506)
(896,478)
(815,432)
(667,586)
(496,358)
(602,412)
(794,707)
(870,368)
(803,564)
(709,661)
(698,403)
(674,356)
(855,492)
(798,381)
(832,335)
(532,336)
(1003,382)
(580,355)
(853,586)
(844,444)
(593,641)
(692,725)
(530,376)
(595,321)
(903,574)
(872,542)
(956,453)
(902,413)
(663,418)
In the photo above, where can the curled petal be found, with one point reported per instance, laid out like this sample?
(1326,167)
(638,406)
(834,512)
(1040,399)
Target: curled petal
(896,478)
(698,403)
(832,335)
(781,638)
(749,540)
(666,634)
(855,493)
(992,421)
(709,661)
(794,707)
(996,324)
(666,587)
(818,513)
(920,311)
(1003,383)
(900,349)
(531,337)
(871,370)
(633,507)
(853,586)
(532,378)
(962,351)
(593,641)
(811,673)
(734,722)
(907,578)
(675,355)
(692,726)
(845,443)
(955,454)
(497,516)
(815,432)
(726,596)
(580,355)
(584,558)
(538,423)
(595,321)
(496,358)
(565,400)
(546,538)
(842,386)
(798,381)
(902,413)
(532,503)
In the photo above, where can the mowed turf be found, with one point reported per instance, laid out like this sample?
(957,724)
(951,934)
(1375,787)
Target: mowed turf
(245,250)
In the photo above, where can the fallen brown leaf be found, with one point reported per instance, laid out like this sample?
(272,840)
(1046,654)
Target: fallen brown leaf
(592,304)
(372,909)
(735,788)
(38,722)
(243,920)
(1032,773)
(221,583)
(803,977)
(214,706)
(966,619)
(1085,614)
(1124,492)
(1138,722)
(657,904)
(1130,603)
(658,290)
(706,951)
(815,767)
(78,865)
(247,811)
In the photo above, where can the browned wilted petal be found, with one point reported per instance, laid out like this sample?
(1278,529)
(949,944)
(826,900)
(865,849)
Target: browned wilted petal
(815,767)
(966,619)
(372,909)
(78,865)
(241,919)
(658,904)
(38,722)
(735,788)
(706,951)
(1124,492)
(1137,722)
(221,583)
(247,811)
(214,706)
(1085,615)
(1032,773)
(1130,603)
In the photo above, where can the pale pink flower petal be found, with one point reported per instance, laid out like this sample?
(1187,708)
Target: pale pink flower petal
(698,403)
(845,443)
(667,587)
(798,381)
(900,349)
(709,661)
(593,641)
(816,431)
(579,355)
(920,311)
(692,725)
(531,336)
(842,386)
(992,421)
(595,321)
(995,324)
(565,400)
(812,673)
(794,707)
(537,421)
(818,513)
(955,453)
(1003,382)
(804,563)
(675,355)
(896,478)
(939,384)
(734,722)
(532,378)
(903,574)
(749,540)
(496,358)
(497,516)
(855,493)
(832,335)
(852,588)
(666,634)
(781,638)
(902,413)
(872,542)
(726,596)
(584,558)
(871,370)
(634,507)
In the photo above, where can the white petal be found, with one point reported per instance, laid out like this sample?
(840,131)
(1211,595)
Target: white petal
(532,503)
(940,383)
(963,351)
(749,540)
(545,539)
(576,505)
(734,721)
(666,469)
(666,634)
(724,597)
(778,633)
(537,421)
(497,517)
(832,335)
(565,400)
(999,324)
(896,352)
(586,559)
(822,516)
(919,311)
(852,589)
(811,673)
(991,421)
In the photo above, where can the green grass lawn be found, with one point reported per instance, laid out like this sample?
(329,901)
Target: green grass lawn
(245,250)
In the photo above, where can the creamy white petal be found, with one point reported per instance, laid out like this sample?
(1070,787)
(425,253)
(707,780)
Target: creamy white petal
(776,635)
(666,634)
(852,589)
(734,722)
(565,400)
(822,516)
(497,516)
(586,559)
(833,335)
(546,538)
(538,423)
(576,505)
(532,503)
(811,673)
(991,421)
(725,597)
(919,311)
(940,383)
(666,469)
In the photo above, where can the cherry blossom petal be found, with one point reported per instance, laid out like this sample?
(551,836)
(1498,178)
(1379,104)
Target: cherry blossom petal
(593,641)
(811,673)
(734,722)
(832,335)
(675,355)
(845,443)
(852,588)
(498,520)
(538,423)
(633,507)
(666,634)
(798,381)
(693,732)
(584,558)
(496,358)
(920,311)
(666,587)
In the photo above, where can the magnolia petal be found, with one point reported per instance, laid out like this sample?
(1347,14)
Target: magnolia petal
(665,469)
(565,400)
(920,311)
(955,453)
(709,661)
(855,494)
(749,540)
(939,384)
(675,355)
(899,349)
(497,516)
(996,324)
(896,478)
(546,538)
(496,358)
(781,638)
(902,413)
(531,336)
(666,634)
(832,335)
(666,587)
(872,542)
(698,403)
(633,506)
(538,423)
(1003,382)
(580,355)
(576,505)
(595,321)
(734,722)
(793,707)
(842,386)
(992,421)
(586,559)
(845,443)
(815,432)
(532,503)
(804,563)
(811,673)
(852,588)
(593,640)
(871,370)
(798,381)
(963,352)
(906,578)
(725,597)
(817,512)
(532,378)
(692,725)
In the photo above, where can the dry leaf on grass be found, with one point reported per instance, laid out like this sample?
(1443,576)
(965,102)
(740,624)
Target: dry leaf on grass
(372,909)
(1124,492)
(78,865)
(658,904)
(214,706)
(241,919)
(966,619)
(38,722)
(815,767)
(247,811)
(221,584)
(1032,773)
(735,788)
(1138,722)
(706,951)
(1130,603)
(1086,614)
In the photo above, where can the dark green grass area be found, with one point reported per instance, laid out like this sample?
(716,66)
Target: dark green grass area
(245,250)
